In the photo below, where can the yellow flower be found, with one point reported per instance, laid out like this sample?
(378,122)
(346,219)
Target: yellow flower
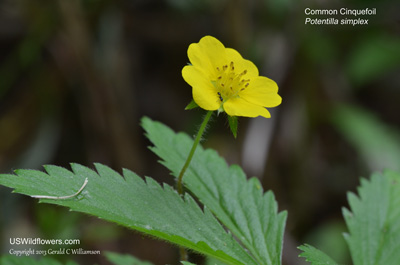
(222,80)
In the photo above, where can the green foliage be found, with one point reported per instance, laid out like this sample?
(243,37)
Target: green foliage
(328,236)
(377,143)
(134,203)
(120,259)
(374,220)
(373,223)
(114,258)
(373,56)
(29,260)
(212,261)
(315,256)
(238,203)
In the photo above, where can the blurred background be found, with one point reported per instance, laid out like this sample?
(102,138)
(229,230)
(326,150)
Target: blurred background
(76,76)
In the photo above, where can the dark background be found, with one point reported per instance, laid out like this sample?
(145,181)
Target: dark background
(77,76)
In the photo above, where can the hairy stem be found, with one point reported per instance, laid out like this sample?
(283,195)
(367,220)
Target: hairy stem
(179,184)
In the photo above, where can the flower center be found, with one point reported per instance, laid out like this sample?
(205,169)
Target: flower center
(229,84)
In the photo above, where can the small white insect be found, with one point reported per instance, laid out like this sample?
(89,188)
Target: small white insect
(62,197)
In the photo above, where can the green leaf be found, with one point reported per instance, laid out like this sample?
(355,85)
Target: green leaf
(29,260)
(187,263)
(144,206)
(124,259)
(315,256)
(233,124)
(374,221)
(376,142)
(372,57)
(240,204)
(212,261)
(191,105)
(328,236)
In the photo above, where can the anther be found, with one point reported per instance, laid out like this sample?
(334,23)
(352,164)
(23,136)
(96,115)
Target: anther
(247,84)
(224,67)
(244,72)
(219,77)
(232,66)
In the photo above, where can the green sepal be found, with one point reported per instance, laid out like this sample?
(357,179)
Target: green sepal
(191,105)
(233,124)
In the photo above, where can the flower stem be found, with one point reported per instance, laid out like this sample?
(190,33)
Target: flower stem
(179,185)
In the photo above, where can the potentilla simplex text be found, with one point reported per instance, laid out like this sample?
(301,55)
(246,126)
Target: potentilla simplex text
(352,16)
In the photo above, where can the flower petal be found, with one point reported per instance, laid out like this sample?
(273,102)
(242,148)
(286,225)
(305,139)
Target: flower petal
(204,93)
(240,107)
(241,64)
(262,91)
(214,67)
(207,55)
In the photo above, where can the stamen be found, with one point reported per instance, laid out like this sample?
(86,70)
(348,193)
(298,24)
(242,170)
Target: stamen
(230,83)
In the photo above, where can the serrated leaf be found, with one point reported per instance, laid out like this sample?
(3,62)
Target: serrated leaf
(374,220)
(134,203)
(240,204)
(212,261)
(315,256)
(124,259)
(29,260)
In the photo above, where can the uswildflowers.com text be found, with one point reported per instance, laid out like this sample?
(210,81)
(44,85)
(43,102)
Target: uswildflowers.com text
(42,241)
